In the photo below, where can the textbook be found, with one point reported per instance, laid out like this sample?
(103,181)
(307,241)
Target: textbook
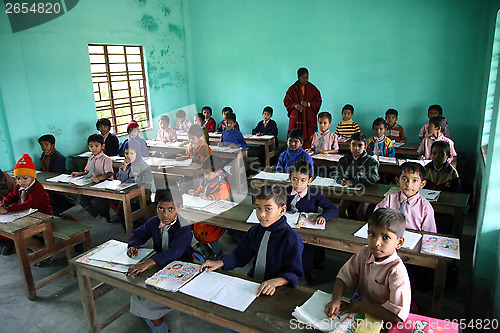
(308,221)
(329,182)
(114,185)
(441,246)
(174,276)
(277,176)
(397,144)
(430,195)
(11,217)
(328,157)
(219,206)
(312,312)
(116,252)
(63,178)
(229,291)
(387,160)
(422,324)
(411,238)
(259,137)
(421,162)
(291,218)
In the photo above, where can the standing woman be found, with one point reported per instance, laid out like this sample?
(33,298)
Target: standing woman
(303,101)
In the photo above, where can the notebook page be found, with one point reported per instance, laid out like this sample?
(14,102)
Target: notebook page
(238,294)
(198,286)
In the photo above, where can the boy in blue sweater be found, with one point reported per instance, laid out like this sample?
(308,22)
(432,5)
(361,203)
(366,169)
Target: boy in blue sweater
(51,159)
(172,237)
(304,199)
(266,127)
(294,141)
(276,247)
(232,136)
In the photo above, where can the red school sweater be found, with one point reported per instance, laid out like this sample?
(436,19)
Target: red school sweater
(35,197)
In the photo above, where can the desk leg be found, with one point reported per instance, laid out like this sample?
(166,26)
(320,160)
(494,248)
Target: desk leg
(439,286)
(88,302)
(127,212)
(458,222)
(22,257)
(267,153)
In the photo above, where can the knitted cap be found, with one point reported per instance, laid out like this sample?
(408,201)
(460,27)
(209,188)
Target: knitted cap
(25,167)
(133,124)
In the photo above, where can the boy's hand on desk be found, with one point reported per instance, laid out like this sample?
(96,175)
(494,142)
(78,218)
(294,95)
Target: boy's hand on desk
(220,144)
(210,265)
(320,220)
(139,268)
(356,306)
(269,287)
(75,174)
(95,180)
(332,308)
(204,196)
(421,157)
(132,251)
(3,210)
(232,145)
(259,134)
(191,192)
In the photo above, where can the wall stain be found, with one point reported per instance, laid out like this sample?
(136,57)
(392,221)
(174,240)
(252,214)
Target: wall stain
(148,23)
(165,10)
(142,2)
(54,130)
(174,28)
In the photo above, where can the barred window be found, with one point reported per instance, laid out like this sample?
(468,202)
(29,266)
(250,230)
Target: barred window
(119,82)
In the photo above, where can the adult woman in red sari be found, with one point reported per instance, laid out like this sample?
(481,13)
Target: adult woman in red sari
(303,101)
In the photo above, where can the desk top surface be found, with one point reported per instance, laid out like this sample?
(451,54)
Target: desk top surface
(25,222)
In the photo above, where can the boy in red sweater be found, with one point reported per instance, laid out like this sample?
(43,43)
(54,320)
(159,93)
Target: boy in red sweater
(28,193)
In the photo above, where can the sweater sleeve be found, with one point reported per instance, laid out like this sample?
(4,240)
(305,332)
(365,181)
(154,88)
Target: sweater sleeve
(176,247)
(257,128)
(145,176)
(11,198)
(329,208)
(112,145)
(38,198)
(391,152)
(274,127)
(58,162)
(123,176)
(402,134)
(371,175)
(341,169)
(142,234)
(292,269)
(280,167)
(241,140)
(243,252)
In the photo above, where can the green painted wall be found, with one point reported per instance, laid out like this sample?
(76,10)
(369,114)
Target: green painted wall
(45,82)
(373,54)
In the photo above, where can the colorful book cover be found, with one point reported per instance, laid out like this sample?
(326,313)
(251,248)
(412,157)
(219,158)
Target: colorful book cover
(308,220)
(174,275)
(441,246)
(421,324)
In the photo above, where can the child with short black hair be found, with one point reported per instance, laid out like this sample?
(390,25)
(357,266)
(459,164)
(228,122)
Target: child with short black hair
(172,236)
(28,193)
(433,111)
(111,142)
(133,133)
(305,199)
(324,141)
(347,127)
(221,127)
(394,130)
(356,168)
(276,247)
(99,167)
(376,272)
(197,149)
(209,123)
(294,153)
(199,119)
(232,136)
(267,126)
(182,123)
(437,126)
(51,160)
(418,211)
(165,133)
(379,144)
(439,173)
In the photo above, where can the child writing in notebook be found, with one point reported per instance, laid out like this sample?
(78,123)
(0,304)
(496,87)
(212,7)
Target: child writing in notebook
(276,247)
(417,210)
(182,123)
(347,127)
(379,144)
(437,126)
(304,199)
(197,148)
(394,130)
(294,153)
(99,167)
(232,136)
(51,160)
(165,133)
(376,273)
(356,168)
(214,186)
(133,133)
(199,119)
(111,143)
(209,121)
(172,236)
(324,141)
(433,111)
(28,193)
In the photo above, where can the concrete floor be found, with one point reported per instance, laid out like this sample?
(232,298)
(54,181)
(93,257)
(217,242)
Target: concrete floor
(58,307)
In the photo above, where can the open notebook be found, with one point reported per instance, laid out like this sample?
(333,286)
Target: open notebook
(411,238)
(11,217)
(116,252)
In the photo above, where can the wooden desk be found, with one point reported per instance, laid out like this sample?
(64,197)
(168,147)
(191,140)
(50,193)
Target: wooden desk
(265,314)
(23,228)
(269,146)
(338,235)
(448,203)
(124,196)
(392,169)
(406,149)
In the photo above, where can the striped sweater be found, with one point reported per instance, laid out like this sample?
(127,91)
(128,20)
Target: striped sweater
(346,129)
(215,189)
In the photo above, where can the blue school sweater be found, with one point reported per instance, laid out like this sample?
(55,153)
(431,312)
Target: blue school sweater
(284,252)
(144,147)
(179,234)
(270,129)
(288,157)
(57,163)
(111,145)
(310,203)
(138,172)
(233,136)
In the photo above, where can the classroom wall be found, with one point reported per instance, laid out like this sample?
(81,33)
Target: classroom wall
(45,80)
(373,54)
